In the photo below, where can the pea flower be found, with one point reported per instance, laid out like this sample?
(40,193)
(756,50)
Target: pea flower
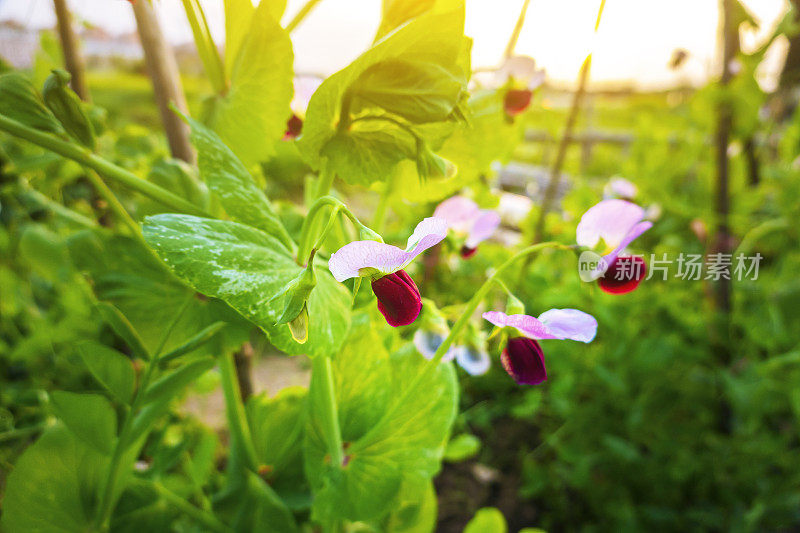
(474,360)
(618,223)
(294,127)
(524,77)
(523,357)
(618,187)
(464,217)
(398,296)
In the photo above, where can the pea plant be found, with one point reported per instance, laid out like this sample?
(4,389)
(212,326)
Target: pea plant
(194,260)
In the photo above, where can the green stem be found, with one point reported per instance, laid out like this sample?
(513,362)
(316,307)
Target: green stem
(379,220)
(462,321)
(305,10)
(309,223)
(113,202)
(199,515)
(60,210)
(205,46)
(106,506)
(21,432)
(241,439)
(323,370)
(325,183)
(104,167)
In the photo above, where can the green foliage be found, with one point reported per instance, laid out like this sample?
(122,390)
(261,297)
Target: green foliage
(53,486)
(20,101)
(89,416)
(487,520)
(110,368)
(412,76)
(68,108)
(246,268)
(385,444)
(251,116)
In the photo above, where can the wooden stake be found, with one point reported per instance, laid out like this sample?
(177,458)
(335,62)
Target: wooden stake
(73,60)
(166,80)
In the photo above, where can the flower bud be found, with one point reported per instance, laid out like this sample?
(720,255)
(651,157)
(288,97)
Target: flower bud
(516,101)
(523,359)
(398,298)
(295,309)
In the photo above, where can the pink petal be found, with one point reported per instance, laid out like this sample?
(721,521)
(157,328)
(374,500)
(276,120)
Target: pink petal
(610,220)
(570,324)
(483,228)
(372,258)
(621,188)
(632,234)
(522,69)
(527,325)
(553,324)
(459,212)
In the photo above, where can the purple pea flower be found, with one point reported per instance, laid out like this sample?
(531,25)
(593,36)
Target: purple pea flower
(464,217)
(398,296)
(617,223)
(474,360)
(523,357)
(525,77)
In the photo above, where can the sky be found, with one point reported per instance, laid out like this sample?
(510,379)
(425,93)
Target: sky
(634,43)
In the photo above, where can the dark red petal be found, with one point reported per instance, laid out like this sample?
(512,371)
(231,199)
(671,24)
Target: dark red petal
(467,252)
(294,126)
(623,275)
(523,359)
(398,298)
(516,101)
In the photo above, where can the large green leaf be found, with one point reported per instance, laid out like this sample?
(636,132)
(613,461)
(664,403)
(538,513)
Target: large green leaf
(224,174)
(388,441)
(252,115)
(277,425)
(19,100)
(150,296)
(54,485)
(89,416)
(110,368)
(247,269)
(431,45)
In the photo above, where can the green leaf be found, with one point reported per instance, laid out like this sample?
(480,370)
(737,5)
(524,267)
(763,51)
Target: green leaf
(110,368)
(246,268)
(432,43)
(462,447)
(242,199)
(68,108)
(418,91)
(380,149)
(20,101)
(54,485)
(387,443)
(125,274)
(89,416)
(173,383)
(487,520)
(277,426)
(252,115)
(124,329)
(44,251)
(238,16)
(193,343)
(417,510)
(181,179)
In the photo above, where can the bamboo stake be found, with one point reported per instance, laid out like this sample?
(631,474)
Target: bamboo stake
(73,60)
(166,80)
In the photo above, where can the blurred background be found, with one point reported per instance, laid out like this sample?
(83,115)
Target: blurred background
(659,425)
